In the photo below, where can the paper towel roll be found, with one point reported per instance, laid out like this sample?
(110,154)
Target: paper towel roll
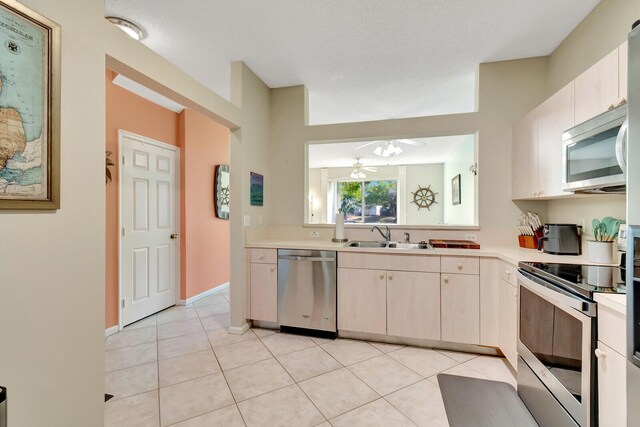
(339,226)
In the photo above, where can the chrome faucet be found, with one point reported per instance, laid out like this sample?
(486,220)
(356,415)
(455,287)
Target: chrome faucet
(387,235)
(407,237)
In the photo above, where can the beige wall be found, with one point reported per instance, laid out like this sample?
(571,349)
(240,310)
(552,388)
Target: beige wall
(53,270)
(458,164)
(521,85)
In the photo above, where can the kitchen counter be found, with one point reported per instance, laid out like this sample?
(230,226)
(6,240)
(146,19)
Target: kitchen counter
(615,302)
(509,254)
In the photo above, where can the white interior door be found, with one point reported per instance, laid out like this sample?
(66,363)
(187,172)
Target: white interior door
(149,245)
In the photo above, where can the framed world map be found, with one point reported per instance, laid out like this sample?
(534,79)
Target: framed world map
(29,109)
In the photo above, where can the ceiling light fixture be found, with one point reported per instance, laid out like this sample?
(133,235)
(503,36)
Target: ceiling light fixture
(131,29)
(389,150)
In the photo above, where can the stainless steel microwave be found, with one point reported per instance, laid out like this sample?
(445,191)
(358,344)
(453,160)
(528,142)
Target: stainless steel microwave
(594,154)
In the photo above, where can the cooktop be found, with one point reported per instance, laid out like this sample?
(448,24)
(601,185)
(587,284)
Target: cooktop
(581,278)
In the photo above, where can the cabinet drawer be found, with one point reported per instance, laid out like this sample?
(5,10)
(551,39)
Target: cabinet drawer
(460,265)
(426,263)
(612,329)
(508,273)
(264,256)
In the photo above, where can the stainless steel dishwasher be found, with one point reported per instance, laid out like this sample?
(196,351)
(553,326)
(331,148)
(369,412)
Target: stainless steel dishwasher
(307,292)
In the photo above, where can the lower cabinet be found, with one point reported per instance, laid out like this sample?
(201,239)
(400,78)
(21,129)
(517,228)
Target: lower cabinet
(612,386)
(508,321)
(264,292)
(413,305)
(460,305)
(362,300)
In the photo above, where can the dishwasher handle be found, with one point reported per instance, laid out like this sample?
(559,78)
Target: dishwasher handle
(305,258)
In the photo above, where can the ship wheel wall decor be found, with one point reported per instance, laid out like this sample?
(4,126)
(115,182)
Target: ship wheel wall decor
(425,197)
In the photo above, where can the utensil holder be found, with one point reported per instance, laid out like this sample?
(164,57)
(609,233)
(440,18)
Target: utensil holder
(600,252)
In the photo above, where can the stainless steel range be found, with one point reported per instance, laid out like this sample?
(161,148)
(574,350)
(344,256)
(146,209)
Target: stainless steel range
(557,379)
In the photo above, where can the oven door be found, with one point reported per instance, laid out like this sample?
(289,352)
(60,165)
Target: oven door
(557,340)
(596,158)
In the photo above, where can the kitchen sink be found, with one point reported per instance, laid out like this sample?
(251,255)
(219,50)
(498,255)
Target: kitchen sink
(389,245)
(366,244)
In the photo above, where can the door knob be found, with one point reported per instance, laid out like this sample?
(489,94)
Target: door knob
(174,236)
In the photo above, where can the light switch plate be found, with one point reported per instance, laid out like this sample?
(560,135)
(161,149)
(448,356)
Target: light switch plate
(247,220)
(315,234)
(471,236)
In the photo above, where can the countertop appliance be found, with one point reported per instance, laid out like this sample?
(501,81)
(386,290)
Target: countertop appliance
(307,292)
(557,378)
(3,407)
(633,229)
(595,154)
(561,239)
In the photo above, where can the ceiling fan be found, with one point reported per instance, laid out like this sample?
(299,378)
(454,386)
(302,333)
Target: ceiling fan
(390,148)
(359,168)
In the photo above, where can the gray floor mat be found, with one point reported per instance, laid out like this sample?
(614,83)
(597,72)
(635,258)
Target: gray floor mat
(471,402)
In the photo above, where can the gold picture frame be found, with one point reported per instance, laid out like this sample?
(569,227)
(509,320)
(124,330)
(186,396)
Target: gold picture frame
(30,156)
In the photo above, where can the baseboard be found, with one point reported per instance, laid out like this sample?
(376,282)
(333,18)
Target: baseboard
(203,294)
(110,331)
(239,330)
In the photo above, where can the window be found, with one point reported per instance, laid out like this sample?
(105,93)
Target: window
(368,201)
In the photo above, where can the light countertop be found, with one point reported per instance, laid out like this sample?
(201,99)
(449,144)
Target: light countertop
(510,254)
(615,302)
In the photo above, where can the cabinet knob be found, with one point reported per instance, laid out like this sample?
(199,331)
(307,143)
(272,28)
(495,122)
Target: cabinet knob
(273,269)
(459,266)
(611,107)
(381,276)
(261,257)
(508,273)
(515,294)
(390,276)
(622,101)
(446,279)
(599,353)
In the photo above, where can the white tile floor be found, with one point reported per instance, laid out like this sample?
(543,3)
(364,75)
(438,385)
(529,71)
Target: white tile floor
(181,368)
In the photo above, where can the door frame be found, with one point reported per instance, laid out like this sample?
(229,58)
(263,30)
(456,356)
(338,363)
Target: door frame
(121,135)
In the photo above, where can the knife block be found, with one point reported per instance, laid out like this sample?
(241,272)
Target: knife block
(528,242)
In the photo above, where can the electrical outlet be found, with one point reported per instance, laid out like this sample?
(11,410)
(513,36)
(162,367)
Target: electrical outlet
(471,236)
(247,220)
(260,220)
(315,234)
(581,223)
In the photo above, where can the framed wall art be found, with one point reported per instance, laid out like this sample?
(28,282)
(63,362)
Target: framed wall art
(455,190)
(29,109)
(221,191)
(257,189)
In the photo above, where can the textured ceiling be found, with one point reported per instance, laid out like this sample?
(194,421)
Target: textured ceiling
(361,59)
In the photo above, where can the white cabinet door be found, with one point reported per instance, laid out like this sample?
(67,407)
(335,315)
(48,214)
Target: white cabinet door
(612,387)
(623,63)
(508,306)
(556,116)
(460,307)
(524,157)
(362,300)
(264,292)
(596,90)
(489,295)
(413,305)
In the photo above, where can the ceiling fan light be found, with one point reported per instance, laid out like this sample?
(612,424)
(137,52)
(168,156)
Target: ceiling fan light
(378,151)
(398,150)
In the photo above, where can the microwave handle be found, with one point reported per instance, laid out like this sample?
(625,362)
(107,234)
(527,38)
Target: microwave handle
(621,146)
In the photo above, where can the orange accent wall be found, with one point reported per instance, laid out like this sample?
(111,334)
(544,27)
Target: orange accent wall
(204,239)
(132,113)
(205,243)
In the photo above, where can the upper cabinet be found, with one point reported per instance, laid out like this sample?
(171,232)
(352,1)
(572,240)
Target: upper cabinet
(524,161)
(597,88)
(623,55)
(555,116)
(537,138)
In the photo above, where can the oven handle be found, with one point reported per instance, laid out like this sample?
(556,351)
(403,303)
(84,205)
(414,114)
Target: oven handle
(551,291)
(621,146)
